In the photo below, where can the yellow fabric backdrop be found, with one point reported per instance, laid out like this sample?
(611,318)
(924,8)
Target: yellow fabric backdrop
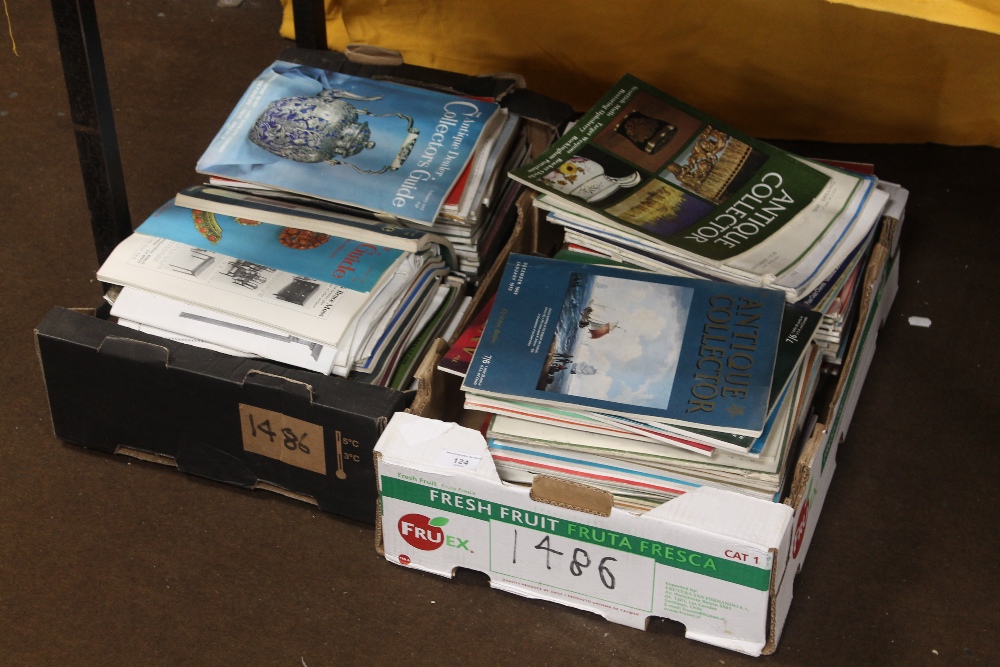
(847,70)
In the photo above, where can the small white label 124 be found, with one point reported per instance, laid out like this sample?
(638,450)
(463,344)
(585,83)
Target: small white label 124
(570,565)
(448,459)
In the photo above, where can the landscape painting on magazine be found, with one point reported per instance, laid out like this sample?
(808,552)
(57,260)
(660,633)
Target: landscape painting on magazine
(616,340)
(650,346)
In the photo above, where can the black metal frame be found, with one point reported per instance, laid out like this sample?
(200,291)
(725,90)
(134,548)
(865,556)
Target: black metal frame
(93,118)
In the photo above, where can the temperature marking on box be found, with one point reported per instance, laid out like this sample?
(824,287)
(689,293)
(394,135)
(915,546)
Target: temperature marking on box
(344,455)
(340,458)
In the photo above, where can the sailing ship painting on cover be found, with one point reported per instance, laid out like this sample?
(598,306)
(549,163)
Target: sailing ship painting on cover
(617,340)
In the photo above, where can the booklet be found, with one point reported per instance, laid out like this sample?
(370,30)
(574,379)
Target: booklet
(359,265)
(386,147)
(316,310)
(248,206)
(191,324)
(647,346)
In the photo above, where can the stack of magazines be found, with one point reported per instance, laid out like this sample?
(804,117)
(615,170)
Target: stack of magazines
(343,223)
(704,293)
(650,181)
(371,148)
(647,384)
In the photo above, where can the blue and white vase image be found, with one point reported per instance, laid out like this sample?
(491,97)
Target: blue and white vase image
(324,128)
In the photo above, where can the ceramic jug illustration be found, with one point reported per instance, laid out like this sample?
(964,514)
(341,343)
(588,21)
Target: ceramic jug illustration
(584,178)
(324,128)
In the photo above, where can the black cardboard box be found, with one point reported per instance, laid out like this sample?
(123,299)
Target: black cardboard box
(253,423)
(247,422)
(243,421)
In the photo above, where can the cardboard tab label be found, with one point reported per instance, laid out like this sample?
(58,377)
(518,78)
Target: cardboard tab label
(277,436)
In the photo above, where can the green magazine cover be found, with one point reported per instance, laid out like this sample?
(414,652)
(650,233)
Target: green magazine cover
(655,169)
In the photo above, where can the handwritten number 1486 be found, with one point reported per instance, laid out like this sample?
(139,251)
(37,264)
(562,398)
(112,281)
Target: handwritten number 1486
(581,561)
(290,441)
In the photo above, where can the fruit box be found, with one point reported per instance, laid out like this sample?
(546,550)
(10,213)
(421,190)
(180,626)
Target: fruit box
(720,563)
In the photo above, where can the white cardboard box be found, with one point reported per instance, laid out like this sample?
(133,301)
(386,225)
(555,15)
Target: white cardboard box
(720,563)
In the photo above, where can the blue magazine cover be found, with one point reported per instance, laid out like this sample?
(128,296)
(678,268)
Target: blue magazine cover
(353,264)
(374,144)
(654,347)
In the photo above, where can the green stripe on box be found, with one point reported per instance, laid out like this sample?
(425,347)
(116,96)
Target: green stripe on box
(666,554)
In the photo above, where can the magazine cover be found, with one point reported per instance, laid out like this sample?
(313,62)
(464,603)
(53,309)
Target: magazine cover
(657,167)
(163,316)
(663,348)
(374,144)
(312,218)
(317,310)
(343,262)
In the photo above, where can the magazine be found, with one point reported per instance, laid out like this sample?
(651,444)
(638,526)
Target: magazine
(446,304)
(400,320)
(683,184)
(374,144)
(345,262)
(169,318)
(316,310)
(572,419)
(248,206)
(484,170)
(388,311)
(458,357)
(653,347)
(798,329)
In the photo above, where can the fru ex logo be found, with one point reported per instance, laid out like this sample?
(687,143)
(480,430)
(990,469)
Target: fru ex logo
(424,533)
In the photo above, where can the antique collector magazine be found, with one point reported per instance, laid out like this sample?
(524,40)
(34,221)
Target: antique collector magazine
(798,331)
(381,146)
(657,173)
(660,348)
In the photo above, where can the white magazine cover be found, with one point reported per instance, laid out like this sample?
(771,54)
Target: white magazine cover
(305,307)
(186,323)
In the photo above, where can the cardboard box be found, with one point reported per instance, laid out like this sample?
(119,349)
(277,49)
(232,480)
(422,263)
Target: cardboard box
(246,422)
(721,563)
(253,423)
